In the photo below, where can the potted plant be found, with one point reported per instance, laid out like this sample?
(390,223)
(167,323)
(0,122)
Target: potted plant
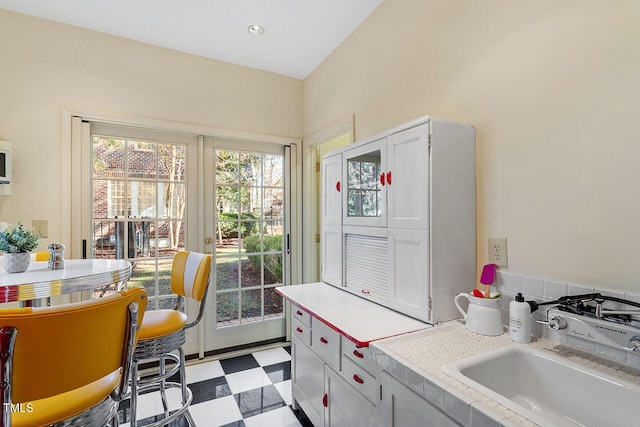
(17,244)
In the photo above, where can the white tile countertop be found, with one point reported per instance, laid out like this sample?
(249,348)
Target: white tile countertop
(416,359)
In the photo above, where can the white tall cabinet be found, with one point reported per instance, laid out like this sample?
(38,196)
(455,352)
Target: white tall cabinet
(406,239)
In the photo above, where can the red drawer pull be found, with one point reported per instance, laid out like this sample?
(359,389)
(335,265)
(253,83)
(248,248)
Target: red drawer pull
(325,400)
(299,313)
(382,179)
(356,353)
(323,340)
(358,379)
(338,186)
(299,329)
(365,292)
(389,177)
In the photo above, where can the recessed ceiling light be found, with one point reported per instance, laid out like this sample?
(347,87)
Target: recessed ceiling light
(256,30)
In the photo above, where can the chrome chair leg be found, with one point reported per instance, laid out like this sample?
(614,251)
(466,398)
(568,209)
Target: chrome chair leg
(163,393)
(133,400)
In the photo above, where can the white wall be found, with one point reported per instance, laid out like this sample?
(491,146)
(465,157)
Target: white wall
(46,67)
(553,90)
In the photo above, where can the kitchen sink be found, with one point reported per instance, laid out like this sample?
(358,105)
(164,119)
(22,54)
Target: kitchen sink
(549,389)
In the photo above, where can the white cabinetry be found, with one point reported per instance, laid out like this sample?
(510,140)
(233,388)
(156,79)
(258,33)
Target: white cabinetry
(307,380)
(331,228)
(408,178)
(402,407)
(407,238)
(334,380)
(331,186)
(346,407)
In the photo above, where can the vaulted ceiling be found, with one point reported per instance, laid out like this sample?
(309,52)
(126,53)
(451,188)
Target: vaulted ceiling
(298,34)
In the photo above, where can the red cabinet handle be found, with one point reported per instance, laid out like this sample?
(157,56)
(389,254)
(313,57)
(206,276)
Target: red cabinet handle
(358,379)
(299,313)
(382,179)
(325,400)
(338,186)
(365,292)
(389,177)
(323,340)
(299,329)
(356,353)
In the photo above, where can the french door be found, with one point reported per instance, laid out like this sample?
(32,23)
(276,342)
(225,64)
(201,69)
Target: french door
(247,202)
(143,195)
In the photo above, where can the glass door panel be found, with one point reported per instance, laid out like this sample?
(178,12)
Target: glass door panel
(363,179)
(366,184)
(139,201)
(249,236)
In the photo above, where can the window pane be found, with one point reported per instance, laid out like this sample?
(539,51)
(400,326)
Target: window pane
(144,275)
(108,157)
(171,200)
(252,305)
(142,199)
(109,198)
(251,271)
(226,167)
(227,273)
(104,240)
(273,202)
(273,164)
(273,303)
(250,169)
(227,308)
(170,237)
(171,161)
(141,159)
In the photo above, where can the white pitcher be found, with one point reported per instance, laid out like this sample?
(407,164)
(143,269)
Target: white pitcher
(483,315)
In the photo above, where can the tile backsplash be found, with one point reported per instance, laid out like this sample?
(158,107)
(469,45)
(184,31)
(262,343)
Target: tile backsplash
(544,290)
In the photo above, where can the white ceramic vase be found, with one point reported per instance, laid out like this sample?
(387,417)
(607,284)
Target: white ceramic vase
(16,262)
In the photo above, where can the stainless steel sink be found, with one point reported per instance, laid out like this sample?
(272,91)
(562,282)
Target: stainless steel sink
(550,389)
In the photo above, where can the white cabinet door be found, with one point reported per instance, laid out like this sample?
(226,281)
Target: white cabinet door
(407,178)
(364,189)
(331,189)
(307,382)
(331,267)
(401,407)
(345,406)
(409,272)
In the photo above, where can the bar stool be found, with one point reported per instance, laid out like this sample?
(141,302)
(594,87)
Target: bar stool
(69,364)
(164,331)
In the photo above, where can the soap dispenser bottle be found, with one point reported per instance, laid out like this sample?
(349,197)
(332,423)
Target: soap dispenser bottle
(520,320)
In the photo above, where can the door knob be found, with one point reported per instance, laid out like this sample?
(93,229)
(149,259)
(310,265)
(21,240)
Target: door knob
(208,240)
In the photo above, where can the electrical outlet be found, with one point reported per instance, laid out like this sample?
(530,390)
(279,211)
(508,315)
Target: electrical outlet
(498,251)
(41,226)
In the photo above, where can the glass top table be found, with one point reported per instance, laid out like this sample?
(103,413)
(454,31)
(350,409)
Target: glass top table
(77,275)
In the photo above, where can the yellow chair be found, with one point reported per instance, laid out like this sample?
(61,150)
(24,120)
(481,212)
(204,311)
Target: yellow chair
(42,256)
(69,364)
(165,331)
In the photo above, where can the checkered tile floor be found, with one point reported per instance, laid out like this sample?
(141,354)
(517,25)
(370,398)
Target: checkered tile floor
(245,391)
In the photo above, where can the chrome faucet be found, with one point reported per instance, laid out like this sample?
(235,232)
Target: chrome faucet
(601,312)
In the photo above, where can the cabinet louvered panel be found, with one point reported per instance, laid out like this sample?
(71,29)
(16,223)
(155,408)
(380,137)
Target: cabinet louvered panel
(367,266)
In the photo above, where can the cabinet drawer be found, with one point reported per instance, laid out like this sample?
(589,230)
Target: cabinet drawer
(360,355)
(326,343)
(301,331)
(300,315)
(360,379)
